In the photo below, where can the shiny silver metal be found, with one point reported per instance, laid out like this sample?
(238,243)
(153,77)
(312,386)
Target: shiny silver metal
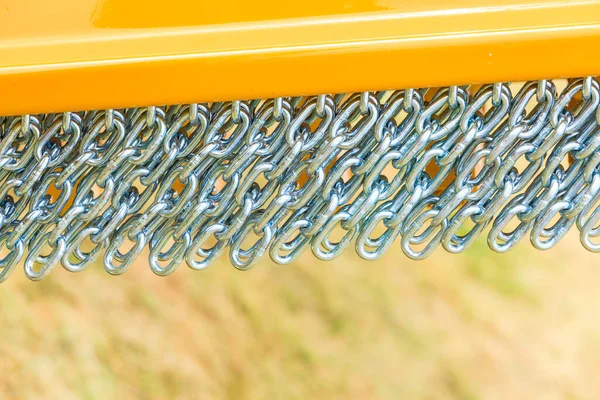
(278,176)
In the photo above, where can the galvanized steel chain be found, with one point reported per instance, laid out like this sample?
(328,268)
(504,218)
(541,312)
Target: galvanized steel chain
(411,168)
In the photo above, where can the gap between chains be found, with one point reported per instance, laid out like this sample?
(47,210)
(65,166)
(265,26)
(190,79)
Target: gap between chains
(415,168)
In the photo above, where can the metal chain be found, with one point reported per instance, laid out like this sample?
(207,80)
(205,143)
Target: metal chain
(190,182)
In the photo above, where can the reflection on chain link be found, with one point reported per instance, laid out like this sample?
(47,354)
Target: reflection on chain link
(281,176)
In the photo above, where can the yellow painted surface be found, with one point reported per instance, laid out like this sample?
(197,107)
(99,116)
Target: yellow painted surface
(86,54)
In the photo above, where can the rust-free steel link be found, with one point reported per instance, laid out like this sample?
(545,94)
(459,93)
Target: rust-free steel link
(278,176)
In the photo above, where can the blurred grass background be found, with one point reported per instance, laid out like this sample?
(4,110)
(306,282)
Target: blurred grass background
(479,325)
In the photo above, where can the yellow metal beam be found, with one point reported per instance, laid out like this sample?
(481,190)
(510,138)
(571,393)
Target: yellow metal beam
(89,54)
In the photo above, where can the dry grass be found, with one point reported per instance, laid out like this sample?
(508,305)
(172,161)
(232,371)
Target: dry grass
(474,326)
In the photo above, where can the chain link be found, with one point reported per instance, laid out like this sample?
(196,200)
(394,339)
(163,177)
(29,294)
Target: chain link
(279,176)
